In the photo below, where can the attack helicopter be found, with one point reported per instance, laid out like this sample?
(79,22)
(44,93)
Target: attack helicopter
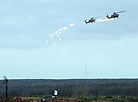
(92,20)
(115,15)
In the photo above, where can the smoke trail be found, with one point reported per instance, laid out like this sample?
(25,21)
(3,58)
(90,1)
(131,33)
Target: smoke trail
(58,34)
(65,28)
(54,44)
(47,41)
(104,20)
(60,39)
(72,25)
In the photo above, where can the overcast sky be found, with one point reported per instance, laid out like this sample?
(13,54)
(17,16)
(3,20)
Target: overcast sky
(110,49)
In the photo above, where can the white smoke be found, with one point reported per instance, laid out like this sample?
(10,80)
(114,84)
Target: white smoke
(58,34)
(54,44)
(72,25)
(65,28)
(60,29)
(104,20)
(47,41)
(60,39)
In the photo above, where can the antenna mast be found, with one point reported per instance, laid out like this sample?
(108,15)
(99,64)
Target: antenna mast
(86,82)
(86,70)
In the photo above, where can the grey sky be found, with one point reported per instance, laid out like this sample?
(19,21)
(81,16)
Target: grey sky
(109,49)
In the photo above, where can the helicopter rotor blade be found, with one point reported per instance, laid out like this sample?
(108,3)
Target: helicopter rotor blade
(120,11)
(97,17)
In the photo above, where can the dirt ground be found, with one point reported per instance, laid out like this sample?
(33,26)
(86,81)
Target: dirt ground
(20,99)
(35,99)
(75,100)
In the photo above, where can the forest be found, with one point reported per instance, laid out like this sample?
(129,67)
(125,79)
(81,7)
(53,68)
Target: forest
(70,87)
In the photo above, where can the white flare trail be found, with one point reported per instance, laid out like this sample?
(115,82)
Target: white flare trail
(58,33)
(72,25)
(104,20)
(54,44)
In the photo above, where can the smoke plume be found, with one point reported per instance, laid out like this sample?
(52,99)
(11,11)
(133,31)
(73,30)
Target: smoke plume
(58,34)
(104,20)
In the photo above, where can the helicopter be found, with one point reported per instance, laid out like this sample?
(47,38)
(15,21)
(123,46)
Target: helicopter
(92,20)
(115,15)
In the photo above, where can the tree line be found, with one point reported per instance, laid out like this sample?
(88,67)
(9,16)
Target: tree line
(70,87)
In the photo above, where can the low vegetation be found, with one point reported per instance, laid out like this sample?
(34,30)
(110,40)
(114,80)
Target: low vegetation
(76,90)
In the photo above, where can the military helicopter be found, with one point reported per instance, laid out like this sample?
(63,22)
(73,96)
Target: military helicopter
(92,20)
(115,15)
